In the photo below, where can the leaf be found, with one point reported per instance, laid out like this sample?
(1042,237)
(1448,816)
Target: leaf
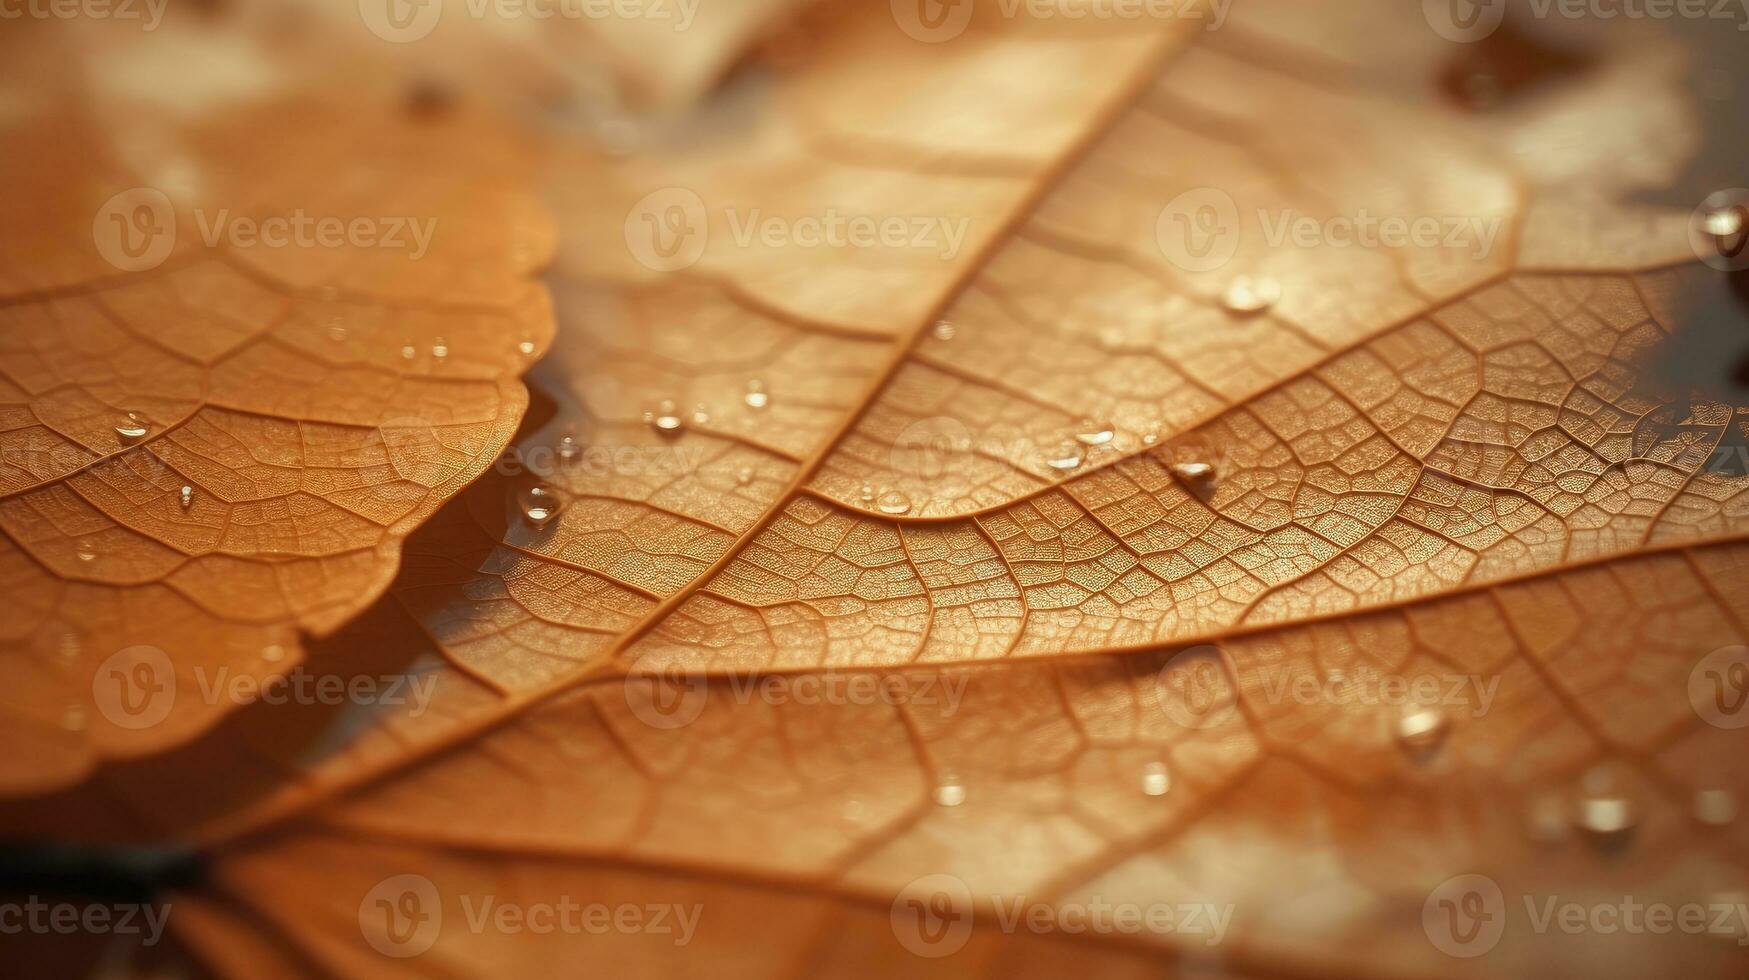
(213,450)
(1081,685)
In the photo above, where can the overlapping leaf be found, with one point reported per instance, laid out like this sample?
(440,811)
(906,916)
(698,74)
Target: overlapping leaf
(213,448)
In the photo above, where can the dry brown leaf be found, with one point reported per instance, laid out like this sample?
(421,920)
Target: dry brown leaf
(214,449)
(1510,474)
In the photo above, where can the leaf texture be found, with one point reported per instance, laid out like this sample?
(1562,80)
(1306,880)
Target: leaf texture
(208,458)
(1495,470)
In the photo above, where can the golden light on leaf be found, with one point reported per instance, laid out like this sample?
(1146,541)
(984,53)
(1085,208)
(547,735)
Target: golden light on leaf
(1293,499)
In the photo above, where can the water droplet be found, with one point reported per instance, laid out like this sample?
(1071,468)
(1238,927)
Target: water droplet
(1607,818)
(1066,458)
(439,349)
(526,348)
(744,475)
(187,497)
(1092,433)
(539,505)
(132,429)
(1724,222)
(568,448)
(408,352)
(756,396)
(867,493)
(1715,807)
(87,551)
(73,719)
(336,330)
(666,417)
(700,414)
(1149,438)
(944,330)
(1156,779)
(1198,478)
(1421,729)
(949,792)
(273,654)
(1246,294)
(893,502)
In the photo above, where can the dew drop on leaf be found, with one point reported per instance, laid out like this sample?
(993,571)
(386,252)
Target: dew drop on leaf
(526,348)
(1198,478)
(1066,458)
(1421,730)
(756,396)
(132,429)
(1246,295)
(666,418)
(866,494)
(439,349)
(893,502)
(744,475)
(1156,779)
(949,792)
(568,448)
(700,415)
(1607,818)
(408,352)
(538,505)
(944,330)
(1091,433)
(87,551)
(186,496)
